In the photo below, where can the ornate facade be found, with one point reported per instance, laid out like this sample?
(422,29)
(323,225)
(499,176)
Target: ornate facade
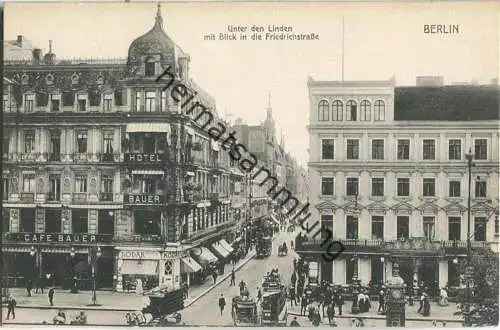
(390,178)
(100,153)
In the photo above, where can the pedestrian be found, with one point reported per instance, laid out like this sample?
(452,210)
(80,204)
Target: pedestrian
(51,296)
(29,287)
(233,278)
(259,295)
(291,294)
(222,303)
(426,305)
(214,275)
(330,312)
(443,301)
(381,301)
(303,305)
(11,307)
(421,306)
(242,286)
(339,301)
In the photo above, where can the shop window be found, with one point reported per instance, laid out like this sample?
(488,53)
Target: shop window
(80,221)
(168,267)
(377,227)
(480,229)
(454,224)
(429,228)
(27,223)
(403,227)
(53,221)
(352,227)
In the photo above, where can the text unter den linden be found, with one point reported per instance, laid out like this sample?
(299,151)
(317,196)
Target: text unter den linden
(268,32)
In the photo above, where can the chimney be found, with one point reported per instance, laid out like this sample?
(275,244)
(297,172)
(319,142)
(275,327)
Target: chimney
(50,58)
(37,54)
(430,81)
(20,39)
(494,81)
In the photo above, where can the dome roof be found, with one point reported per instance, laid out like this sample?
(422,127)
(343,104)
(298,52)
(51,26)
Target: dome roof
(155,41)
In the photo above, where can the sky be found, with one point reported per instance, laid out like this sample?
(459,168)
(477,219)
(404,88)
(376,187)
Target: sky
(380,40)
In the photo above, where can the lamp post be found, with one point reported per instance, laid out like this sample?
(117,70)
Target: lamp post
(95,253)
(37,251)
(469,156)
(355,286)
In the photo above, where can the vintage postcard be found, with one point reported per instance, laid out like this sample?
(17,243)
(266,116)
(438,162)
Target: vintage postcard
(250,164)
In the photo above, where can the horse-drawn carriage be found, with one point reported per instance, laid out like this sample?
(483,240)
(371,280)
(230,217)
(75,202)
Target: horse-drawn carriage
(162,310)
(263,247)
(244,311)
(282,250)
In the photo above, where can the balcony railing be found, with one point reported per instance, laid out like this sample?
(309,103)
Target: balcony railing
(109,157)
(28,197)
(410,246)
(55,157)
(79,197)
(106,197)
(52,197)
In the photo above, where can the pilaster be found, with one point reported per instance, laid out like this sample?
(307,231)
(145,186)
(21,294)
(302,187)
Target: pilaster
(93,221)
(40,220)
(443,273)
(67,220)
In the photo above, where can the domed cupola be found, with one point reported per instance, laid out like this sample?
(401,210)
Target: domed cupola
(153,48)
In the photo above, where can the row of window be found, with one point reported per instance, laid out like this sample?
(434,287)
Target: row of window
(336,111)
(55,101)
(403,149)
(403,227)
(403,187)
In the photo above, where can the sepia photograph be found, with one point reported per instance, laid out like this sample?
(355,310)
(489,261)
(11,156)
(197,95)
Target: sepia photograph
(236,164)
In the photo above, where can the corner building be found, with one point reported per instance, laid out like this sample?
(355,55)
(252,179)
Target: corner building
(389,177)
(98,156)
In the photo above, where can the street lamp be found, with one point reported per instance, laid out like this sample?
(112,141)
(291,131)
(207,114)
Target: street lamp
(95,253)
(355,287)
(382,260)
(36,251)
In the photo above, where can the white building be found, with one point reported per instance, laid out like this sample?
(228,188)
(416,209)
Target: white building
(389,176)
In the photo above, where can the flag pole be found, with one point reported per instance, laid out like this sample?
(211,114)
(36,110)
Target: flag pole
(343,48)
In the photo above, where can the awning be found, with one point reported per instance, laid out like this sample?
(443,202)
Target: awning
(206,256)
(148,127)
(223,253)
(226,245)
(273,217)
(140,267)
(215,145)
(148,172)
(188,265)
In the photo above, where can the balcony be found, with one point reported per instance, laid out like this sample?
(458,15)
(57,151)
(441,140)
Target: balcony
(106,197)
(81,157)
(28,197)
(79,197)
(144,158)
(56,157)
(143,199)
(460,247)
(109,157)
(53,197)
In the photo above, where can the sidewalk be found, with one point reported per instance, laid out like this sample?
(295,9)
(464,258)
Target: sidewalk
(109,300)
(437,312)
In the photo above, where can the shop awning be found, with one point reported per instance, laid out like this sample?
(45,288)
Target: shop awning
(226,245)
(140,267)
(273,217)
(206,256)
(220,250)
(148,127)
(188,265)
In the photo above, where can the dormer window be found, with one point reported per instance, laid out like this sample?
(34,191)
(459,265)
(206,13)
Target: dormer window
(150,68)
(82,102)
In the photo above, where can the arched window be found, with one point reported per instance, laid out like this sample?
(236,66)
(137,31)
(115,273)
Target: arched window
(351,111)
(323,110)
(150,68)
(365,110)
(337,108)
(379,109)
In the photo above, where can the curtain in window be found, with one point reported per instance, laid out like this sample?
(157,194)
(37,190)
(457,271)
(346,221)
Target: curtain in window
(81,184)
(108,144)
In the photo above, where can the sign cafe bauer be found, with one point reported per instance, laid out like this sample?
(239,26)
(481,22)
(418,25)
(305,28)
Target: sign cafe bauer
(57,238)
